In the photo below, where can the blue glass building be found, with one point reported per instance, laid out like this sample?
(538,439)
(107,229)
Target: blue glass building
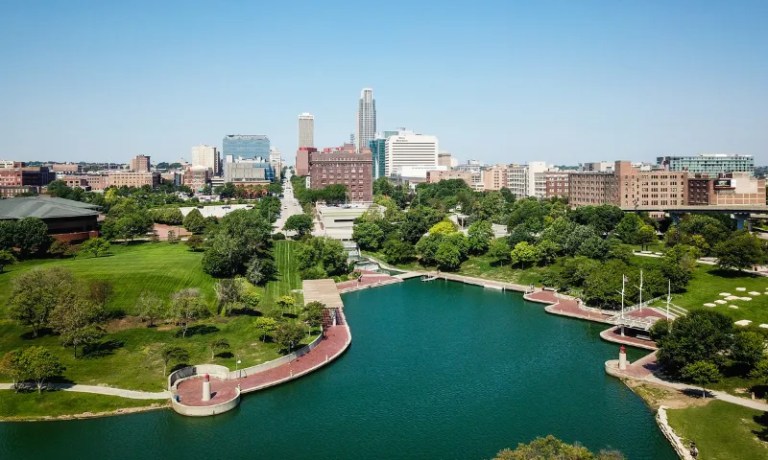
(378,148)
(246,146)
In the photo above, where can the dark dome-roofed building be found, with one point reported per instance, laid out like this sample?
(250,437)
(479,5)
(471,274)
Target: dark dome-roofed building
(67,220)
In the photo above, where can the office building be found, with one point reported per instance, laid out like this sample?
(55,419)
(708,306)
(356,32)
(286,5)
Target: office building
(408,153)
(494,177)
(521,179)
(196,177)
(65,168)
(245,146)
(306,130)
(473,179)
(140,163)
(711,164)
(378,147)
(244,172)
(344,167)
(133,179)
(207,156)
(366,119)
(447,160)
(302,160)
(737,188)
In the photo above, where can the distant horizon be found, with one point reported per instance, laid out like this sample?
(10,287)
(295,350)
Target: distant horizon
(501,82)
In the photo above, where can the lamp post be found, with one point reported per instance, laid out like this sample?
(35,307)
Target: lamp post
(237,368)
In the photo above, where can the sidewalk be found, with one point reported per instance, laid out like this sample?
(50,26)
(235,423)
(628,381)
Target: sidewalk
(99,390)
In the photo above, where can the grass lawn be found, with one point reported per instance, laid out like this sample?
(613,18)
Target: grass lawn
(129,355)
(57,403)
(480,267)
(722,431)
(159,268)
(708,282)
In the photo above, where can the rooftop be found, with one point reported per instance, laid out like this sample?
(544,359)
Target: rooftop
(45,207)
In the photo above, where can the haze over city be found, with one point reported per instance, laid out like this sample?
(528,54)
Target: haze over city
(557,81)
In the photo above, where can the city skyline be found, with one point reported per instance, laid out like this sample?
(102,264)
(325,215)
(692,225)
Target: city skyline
(554,81)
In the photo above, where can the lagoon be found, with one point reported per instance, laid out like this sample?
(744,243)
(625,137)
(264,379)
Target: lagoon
(435,370)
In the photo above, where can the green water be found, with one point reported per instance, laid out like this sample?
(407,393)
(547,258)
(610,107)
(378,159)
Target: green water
(435,370)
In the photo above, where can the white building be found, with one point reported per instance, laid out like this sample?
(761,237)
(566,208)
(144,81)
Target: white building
(521,179)
(207,156)
(366,119)
(408,151)
(306,130)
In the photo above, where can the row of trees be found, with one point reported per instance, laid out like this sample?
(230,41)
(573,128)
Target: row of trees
(332,194)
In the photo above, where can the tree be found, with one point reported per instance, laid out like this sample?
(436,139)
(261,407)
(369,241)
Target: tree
(701,373)
(6,258)
(187,307)
(260,270)
(313,313)
(171,353)
(646,235)
(499,251)
(40,365)
(741,251)
(194,221)
(678,266)
(322,254)
(286,302)
(218,345)
(300,223)
(627,230)
(448,256)
(61,249)
(368,235)
(36,293)
(523,254)
(398,251)
(479,235)
(250,300)
(701,335)
(548,251)
(11,365)
(77,323)
(31,236)
(444,227)
(551,448)
(151,308)
(228,294)
(748,349)
(96,247)
(195,243)
(265,325)
(288,335)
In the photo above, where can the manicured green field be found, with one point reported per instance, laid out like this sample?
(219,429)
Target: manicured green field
(129,356)
(159,268)
(723,431)
(58,403)
(481,267)
(288,278)
(708,282)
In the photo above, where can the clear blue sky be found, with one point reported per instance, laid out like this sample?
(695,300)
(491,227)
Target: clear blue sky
(500,81)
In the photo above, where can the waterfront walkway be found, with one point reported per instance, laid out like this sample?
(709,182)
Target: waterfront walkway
(366,280)
(226,389)
(646,369)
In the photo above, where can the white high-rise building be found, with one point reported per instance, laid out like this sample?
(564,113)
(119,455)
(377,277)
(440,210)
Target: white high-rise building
(366,119)
(409,154)
(306,130)
(521,179)
(208,156)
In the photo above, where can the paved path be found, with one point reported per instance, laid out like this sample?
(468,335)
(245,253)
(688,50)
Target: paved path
(367,280)
(646,369)
(337,339)
(95,389)
(289,202)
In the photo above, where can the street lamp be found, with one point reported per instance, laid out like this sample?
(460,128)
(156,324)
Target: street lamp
(237,368)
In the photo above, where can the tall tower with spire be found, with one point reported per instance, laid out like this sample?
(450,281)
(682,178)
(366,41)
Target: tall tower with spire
(366,119)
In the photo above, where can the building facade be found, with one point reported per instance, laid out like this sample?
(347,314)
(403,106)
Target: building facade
(132,179)
(302,160)
(410,150)
(366,119)
(739,188)
(494,177)
(521,179)
(196,177)
(140,163)
(245,146)
(473,179)
(592,188)
(350,169)
(208,157)
(556,184)
(306,130)
(711,164)
(248,172)
(20,175)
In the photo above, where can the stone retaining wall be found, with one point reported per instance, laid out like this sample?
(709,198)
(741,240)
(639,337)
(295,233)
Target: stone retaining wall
(204,411)
(677,443)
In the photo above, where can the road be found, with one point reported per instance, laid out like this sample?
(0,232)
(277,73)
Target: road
(289,204)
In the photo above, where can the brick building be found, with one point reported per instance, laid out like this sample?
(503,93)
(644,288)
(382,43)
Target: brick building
(140,163)
(474,179)
(354,170)
(726,189)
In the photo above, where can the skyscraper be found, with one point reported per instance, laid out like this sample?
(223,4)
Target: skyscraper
(246,146)
(410,154)
(366,119)
(306,130)
(207,156)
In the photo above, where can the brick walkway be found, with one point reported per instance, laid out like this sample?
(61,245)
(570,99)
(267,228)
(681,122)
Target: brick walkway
(335,342)
(367,280)
(566,306)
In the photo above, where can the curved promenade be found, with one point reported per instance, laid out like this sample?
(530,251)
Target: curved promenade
(227,386)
